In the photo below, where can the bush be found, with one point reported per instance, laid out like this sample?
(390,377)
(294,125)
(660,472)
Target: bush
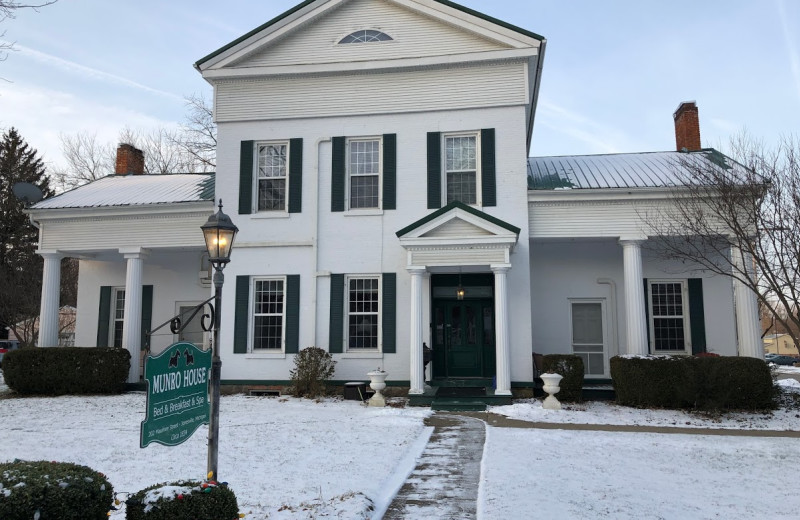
(183,500)
(570,367)
(57,490)
(312,368)
(66,370)
(702,383)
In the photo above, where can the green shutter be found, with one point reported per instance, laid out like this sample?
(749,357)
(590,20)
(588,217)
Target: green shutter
(697,320)
(389,311)
(246,178)
(295,175)
(646,313)
(293,314)
(104,316)
(434,170)
(241,314)
(147,312)
(335,336)
(338,168)
(488,169)
(390,171)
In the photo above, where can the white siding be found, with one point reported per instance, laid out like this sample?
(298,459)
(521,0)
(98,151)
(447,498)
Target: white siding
(457,228)
(591,219)
(414,35)
(409,91)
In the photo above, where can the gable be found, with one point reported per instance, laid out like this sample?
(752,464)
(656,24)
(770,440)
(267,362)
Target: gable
(413,35)
(457,227)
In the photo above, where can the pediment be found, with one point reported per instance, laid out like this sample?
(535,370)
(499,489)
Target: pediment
(309,35)
(459,222)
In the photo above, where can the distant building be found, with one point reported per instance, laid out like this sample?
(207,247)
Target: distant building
(780,344)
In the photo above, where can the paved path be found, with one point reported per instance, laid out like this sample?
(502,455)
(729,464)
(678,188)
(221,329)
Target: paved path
(444,484)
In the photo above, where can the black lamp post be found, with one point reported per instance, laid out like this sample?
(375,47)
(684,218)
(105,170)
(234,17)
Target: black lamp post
(219,233)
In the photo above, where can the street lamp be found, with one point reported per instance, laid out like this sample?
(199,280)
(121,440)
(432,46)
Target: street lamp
(219,233)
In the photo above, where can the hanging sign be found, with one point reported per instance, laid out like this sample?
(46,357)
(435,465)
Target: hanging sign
(177,394)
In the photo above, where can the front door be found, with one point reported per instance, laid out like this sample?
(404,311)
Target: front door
(463,339)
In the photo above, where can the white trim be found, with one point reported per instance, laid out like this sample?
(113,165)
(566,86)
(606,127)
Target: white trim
(199,316)
(348,173)
(687,329)
(604,323)
(476,134)
(346,318)
(251,320)
(112,315)
(268,213)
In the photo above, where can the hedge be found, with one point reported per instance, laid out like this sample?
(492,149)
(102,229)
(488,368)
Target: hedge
(691,382)
(57,490)
(570,367)
(66,370)
(183,500)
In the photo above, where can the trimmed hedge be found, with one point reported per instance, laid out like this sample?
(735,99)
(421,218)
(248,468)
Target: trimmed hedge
(570,367)
(183,500)
(57,490)
(691,382)
(66,370)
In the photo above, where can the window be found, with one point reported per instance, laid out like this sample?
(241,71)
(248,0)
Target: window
(668,316)
(587,336)
(117,317)
(268,314)
(461,168)
(364,172)
(363,316)
(271,175)
(366,36)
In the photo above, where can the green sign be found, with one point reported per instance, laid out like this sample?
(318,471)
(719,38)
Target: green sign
(177,394)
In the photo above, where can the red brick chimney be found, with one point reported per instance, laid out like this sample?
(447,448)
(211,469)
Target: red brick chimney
(130,160)
(687,127)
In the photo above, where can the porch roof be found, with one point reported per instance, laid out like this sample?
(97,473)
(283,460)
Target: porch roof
(623,170)
(135,190)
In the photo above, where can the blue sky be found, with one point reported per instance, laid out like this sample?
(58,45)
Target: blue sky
(614,71)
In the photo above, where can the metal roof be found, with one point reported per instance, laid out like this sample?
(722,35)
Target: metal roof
(135,190)
(624,170)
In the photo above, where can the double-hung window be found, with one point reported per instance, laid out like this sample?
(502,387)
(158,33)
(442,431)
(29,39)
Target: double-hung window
(363,301)
(461,171)
(364,172)
(269,316)
(669,316)
(271,176)
(117,317)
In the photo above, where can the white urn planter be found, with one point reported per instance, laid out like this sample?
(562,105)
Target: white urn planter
(377,381)
(551,382)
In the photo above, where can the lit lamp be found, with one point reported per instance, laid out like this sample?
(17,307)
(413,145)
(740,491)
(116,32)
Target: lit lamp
(460,292)
(219,233)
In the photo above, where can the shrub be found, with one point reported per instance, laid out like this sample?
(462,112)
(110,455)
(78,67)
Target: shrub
(570,367)
(312,368)
(183,500)
(57,490)
(703,383)
(66,370)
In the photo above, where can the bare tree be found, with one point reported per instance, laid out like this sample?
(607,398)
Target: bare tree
(87,160)
(8,9)
(739,216)
(198,134)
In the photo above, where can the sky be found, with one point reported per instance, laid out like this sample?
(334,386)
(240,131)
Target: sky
(614,71)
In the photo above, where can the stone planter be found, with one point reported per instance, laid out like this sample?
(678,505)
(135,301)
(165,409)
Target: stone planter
(377,381)
(551,382)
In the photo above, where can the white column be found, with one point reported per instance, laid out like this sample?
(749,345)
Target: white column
(51,294)
(503,347)
(132,320)
(748,324)
(635,317)
(416,366)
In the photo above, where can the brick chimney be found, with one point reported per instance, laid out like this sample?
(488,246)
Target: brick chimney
(687,127)
(130,160)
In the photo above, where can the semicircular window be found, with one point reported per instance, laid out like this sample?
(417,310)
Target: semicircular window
(366,36)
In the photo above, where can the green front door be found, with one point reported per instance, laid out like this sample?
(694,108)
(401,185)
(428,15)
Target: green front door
(463,338)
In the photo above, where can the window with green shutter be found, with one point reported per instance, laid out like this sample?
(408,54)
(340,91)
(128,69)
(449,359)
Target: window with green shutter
(462,167)
(338,173)
(336,328)
(246,177)
(104,316)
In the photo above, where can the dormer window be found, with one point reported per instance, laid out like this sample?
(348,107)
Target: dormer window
(366,36)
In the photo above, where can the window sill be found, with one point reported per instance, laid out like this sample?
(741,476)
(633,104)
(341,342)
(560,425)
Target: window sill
(363,212)
(265,355)
(269,214)
(362,355)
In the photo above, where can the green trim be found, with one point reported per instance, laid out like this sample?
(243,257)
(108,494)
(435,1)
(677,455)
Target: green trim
(488,168)
(288,382)
(338,172)
(246,178)
(434,155)
(295,176)
(104,316)
(336,332)
(697,321)
(147,313)
(390,171)
(300,6)
(459,205)
(646,312)
(292,313)
(241,318)
(389,310)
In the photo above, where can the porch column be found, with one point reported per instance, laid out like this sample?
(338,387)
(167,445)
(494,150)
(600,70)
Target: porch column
(635,317)
(748,324)
(132,319)
(503,348)
(416,365)
(51,293)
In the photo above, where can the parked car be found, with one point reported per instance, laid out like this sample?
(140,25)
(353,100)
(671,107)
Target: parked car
(6,345)
(782,360)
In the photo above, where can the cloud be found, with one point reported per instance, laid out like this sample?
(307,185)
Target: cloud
(580,127)
(791,45)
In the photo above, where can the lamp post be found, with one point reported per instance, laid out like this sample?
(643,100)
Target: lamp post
(219,233)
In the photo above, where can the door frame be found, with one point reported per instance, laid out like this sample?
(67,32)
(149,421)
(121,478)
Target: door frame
(605,325)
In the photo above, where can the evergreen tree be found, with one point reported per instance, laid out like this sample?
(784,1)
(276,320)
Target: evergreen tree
(20,266)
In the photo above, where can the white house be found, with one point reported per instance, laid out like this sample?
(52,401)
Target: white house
(374,156)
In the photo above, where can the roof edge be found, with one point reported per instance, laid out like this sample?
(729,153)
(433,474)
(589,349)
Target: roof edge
(458,205)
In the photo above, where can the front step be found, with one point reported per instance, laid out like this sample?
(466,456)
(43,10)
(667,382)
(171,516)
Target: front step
(451,398)
(458,405)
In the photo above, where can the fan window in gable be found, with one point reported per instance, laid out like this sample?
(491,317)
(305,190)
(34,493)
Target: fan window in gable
(366,36)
